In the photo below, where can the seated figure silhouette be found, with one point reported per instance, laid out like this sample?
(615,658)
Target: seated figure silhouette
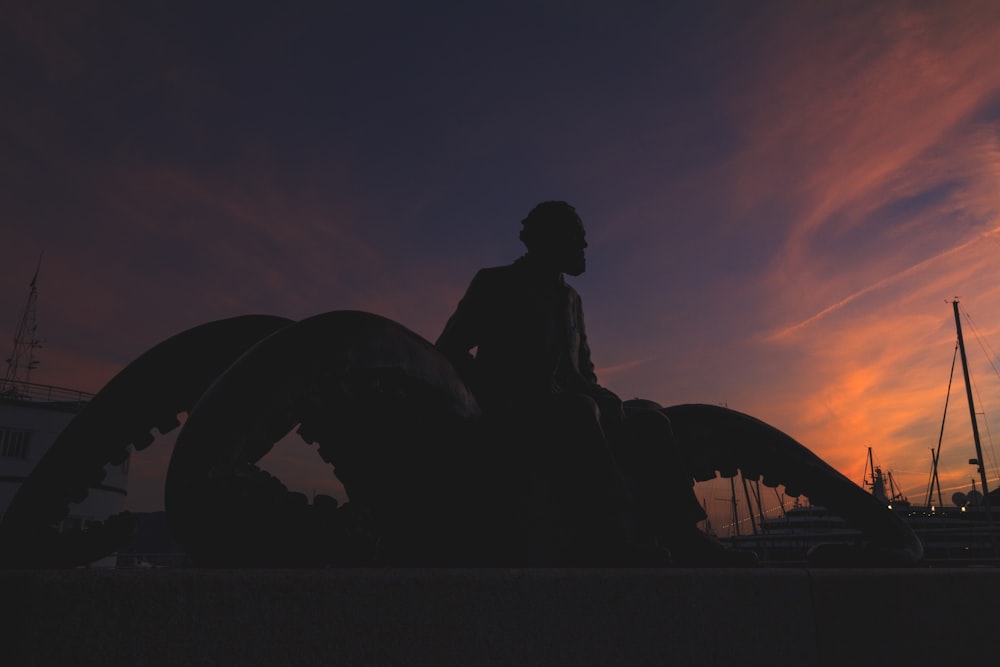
(614,474)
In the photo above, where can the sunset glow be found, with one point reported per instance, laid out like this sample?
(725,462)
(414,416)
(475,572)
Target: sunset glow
(782,199)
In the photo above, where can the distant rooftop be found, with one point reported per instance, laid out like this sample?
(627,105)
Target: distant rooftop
(14,391)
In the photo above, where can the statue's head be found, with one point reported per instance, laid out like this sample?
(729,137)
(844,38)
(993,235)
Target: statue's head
(553,233)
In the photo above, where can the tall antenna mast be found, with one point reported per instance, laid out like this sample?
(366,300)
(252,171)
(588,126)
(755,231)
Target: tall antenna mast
(22,360)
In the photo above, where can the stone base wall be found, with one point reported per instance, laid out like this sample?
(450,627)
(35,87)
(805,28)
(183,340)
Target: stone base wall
(767,617)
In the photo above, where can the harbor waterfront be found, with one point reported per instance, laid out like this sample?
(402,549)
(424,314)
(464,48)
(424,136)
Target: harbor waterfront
(962,533)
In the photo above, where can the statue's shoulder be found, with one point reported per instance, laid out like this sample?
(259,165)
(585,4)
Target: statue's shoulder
(499,275)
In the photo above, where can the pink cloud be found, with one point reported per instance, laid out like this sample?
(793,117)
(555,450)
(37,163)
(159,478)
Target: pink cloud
(845,117)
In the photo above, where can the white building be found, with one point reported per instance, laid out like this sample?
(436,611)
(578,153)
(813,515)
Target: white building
(31,417)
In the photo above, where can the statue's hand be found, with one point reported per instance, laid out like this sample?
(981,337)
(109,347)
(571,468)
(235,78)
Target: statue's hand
(612,410)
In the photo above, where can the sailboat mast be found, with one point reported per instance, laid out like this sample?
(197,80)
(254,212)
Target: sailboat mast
(972,412)
(746,494)
(936,454)
(736,512)
(935,480)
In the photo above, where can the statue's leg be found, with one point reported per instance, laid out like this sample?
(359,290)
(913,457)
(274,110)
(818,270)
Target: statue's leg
(661,484)
(667,510)
(585,487)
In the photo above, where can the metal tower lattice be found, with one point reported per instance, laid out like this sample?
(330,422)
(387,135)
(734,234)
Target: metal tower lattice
(22,359)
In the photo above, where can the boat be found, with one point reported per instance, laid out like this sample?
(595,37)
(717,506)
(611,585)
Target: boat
(32,415)
(959,535)
(966,533)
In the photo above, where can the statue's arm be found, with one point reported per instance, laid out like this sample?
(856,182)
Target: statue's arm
(584,362)
(612,410)
(463,330)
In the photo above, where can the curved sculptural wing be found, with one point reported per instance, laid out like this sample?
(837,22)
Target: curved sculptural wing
(378,399)
(392,416)
(716,439)
(148,393)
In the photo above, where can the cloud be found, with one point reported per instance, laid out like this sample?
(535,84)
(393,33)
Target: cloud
(840,111)
(609,372)
(869,147)
(926,265)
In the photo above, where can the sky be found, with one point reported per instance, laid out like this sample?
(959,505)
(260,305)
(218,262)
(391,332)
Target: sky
(782,198)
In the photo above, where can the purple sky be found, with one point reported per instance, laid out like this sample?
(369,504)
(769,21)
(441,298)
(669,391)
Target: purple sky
(781,198)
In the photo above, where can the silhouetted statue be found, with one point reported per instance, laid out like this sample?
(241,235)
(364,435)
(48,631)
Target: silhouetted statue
(533,374)
(513,457)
